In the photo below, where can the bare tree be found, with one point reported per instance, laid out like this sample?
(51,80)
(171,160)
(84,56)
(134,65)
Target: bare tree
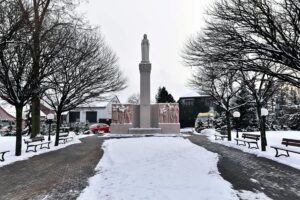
(24,64)
(222,85)
(252,37)
(262,88)
(16,72)
(88,69)
(43,19)
(253,30)
(134,98)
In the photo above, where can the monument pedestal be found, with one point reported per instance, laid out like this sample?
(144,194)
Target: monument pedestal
(120,128)
(145,117)
(170,128)
(144,130)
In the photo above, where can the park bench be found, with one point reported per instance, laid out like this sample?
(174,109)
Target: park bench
(287,142)
(33,142)
(250,136)
(64,137)
(220,137)
(249,139)
(2,155)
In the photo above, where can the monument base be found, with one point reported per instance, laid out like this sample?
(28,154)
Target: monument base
(120,128)
(144,130)
(169,128)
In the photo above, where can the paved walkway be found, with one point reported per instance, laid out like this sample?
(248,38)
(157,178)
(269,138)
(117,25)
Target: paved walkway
(249,172)
(60,174)
(64,173)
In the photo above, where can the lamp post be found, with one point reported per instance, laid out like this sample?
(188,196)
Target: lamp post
(49,121)
(208,120)
(264,113)
(210,117)
(236,115)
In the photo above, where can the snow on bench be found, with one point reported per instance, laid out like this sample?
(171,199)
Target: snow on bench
(33,142)
(287,142)
(247,141)
(65,139)
(220,137)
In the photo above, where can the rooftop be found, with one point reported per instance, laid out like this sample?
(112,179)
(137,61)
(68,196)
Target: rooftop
(194,94)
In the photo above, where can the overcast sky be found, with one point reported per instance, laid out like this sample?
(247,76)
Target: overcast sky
(168,24)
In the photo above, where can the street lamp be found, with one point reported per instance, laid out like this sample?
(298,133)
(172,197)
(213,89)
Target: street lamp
(208,119)
(49,121)
(264,113)
(236,115)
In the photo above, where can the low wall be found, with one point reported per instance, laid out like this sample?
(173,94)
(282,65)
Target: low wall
(164,117)
(169,128)
(120,128)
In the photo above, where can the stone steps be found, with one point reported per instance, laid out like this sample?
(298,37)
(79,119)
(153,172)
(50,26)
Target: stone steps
(144,130)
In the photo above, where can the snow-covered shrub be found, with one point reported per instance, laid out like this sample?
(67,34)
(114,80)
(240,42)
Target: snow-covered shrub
(294,121)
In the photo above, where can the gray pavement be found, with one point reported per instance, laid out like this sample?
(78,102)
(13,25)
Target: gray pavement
(248,172)
(60,174)
(64,173)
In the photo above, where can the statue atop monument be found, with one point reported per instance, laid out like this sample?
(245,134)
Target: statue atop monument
(145,49)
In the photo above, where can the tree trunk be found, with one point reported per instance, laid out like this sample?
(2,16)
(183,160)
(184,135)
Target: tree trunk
(36,72)
(19,111)
(58,116)
(35,116)
(262,129)
(258,110)
(263,134)
(228,125)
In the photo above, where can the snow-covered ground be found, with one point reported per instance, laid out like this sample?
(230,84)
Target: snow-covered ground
(159,168)
(9,143)
(273,138)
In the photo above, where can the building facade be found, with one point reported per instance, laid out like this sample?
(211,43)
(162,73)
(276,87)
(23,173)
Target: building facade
(94,112)
(192,104)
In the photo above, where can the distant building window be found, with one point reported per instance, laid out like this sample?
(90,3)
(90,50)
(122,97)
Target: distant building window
(74,117)
(188,102)
(91,116)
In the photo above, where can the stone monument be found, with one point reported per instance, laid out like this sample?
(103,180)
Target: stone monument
(145,118)
(145,70)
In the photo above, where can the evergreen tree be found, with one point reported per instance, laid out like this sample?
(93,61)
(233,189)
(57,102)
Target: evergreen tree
(247,110)
(163,96)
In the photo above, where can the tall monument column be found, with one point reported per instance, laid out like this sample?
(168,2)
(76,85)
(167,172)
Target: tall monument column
(145,118)
(145,70)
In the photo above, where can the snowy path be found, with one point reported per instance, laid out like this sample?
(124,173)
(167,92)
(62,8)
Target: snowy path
(248,172)
(60,174)
(8,143)
(157,168)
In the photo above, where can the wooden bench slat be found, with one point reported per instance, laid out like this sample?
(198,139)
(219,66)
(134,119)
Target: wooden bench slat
(290,140)
(291,144)
(250,136)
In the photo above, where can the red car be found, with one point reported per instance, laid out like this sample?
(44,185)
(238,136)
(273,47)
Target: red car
(99,128)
